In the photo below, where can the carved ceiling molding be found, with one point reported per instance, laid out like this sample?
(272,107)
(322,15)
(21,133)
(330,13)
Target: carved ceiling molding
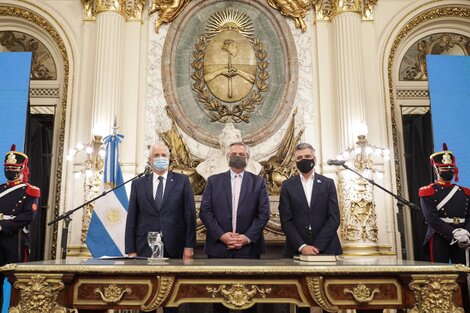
(325,10)
(132,10)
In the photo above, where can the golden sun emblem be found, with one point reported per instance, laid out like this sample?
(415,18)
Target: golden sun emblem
(230,67)
(113,215)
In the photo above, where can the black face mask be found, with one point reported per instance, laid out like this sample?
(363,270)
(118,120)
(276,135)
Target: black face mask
(305,165)
(447,175)
(237,162)
(11,175)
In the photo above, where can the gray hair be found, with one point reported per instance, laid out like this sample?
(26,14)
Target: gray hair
(303,146)
(160,144)
(239,143)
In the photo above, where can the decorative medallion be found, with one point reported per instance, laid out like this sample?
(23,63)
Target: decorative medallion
(230,68)
(112,294)
(361,293)
(229,62)
(238,295)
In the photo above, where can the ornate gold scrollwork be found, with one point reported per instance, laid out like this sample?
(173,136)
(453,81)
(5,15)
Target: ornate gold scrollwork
(165,284)
(238,295)
(327,9)
(361,293)
(169,10)
(434,293)
(229,55)
(181,159)
(112,294)
(316,288)
(280,166)
(38,294)
(296,9)
(130,9)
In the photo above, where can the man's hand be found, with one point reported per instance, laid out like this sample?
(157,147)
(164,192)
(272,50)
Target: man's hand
(234,240)
(132,255)
(188,253)
(309,250)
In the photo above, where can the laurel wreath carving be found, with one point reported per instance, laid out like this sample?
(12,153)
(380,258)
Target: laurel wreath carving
(242,111)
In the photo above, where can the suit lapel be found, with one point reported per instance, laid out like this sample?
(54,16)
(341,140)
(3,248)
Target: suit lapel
(246,184)
(300,190)
(149,188)
(315,185)
(227,185)
(168,187)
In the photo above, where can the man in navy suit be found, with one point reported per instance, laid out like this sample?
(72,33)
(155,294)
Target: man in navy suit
(235,210)
(174,214)
(308,208)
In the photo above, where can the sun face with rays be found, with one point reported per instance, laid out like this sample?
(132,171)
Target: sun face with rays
(230,20)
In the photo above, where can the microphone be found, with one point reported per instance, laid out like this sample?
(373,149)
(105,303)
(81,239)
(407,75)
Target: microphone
(148,169)
(335,162)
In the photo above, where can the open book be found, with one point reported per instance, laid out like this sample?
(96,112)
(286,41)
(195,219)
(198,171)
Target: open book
(316,257)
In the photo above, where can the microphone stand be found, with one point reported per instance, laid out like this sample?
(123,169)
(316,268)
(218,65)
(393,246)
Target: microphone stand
(400,202)
(67,219)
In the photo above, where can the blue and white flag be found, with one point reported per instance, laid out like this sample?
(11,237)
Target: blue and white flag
(108,222)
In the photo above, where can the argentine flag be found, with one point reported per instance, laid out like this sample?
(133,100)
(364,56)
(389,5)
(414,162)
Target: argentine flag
(108,222)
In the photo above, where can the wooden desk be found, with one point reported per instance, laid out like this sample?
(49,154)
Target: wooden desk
(365,283)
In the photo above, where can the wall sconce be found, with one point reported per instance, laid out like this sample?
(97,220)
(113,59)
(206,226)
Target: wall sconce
(362,154)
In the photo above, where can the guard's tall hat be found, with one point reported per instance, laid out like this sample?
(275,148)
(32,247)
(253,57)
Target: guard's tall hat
(444,159)
(17,159)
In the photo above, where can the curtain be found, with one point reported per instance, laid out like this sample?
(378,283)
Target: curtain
(418,141)
(39,150)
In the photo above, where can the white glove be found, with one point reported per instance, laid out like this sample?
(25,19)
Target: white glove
(460,235)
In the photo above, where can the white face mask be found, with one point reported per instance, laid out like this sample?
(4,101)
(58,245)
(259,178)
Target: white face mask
(161,164)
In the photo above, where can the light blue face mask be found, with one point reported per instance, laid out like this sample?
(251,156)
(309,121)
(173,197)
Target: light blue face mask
(161,164)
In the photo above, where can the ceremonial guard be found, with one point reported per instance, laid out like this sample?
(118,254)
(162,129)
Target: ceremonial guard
(445,207)
(18,205)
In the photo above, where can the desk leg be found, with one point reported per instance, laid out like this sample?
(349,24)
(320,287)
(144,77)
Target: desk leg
(38,293)
(435,293)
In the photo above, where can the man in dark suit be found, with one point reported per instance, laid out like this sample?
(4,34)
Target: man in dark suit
(164,202)
(308,207)
(235,210)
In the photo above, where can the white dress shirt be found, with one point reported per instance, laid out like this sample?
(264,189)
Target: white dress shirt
(155,182)
(307,184)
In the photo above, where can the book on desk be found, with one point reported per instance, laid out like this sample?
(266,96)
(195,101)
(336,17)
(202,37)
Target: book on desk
(316,258)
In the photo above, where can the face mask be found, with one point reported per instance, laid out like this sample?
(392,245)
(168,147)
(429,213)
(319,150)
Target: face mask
(161,164)
(11,175)
(237,162)
(305,165)
(447,175)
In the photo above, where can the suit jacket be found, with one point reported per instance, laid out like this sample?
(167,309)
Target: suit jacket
(176,218)
(322,215)
(252,214)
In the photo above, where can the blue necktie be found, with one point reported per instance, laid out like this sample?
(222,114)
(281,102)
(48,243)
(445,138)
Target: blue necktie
(159,194)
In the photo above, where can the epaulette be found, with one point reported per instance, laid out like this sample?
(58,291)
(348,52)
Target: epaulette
(427,191)
(33,191)
(466,191)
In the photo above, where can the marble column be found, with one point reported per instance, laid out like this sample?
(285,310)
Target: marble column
(107,77)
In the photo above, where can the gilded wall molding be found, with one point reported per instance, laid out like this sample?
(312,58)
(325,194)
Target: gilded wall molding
(429,15)
(325,10)
(46,26)
(132,10)
(167,11)
(295,9)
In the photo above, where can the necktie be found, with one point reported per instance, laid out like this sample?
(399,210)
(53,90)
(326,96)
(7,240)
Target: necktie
(237,183)
(159,194)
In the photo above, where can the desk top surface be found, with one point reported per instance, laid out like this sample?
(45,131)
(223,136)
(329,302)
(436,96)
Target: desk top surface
(236,266)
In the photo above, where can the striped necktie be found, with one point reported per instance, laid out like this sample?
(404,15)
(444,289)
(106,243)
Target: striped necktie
(237,183)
